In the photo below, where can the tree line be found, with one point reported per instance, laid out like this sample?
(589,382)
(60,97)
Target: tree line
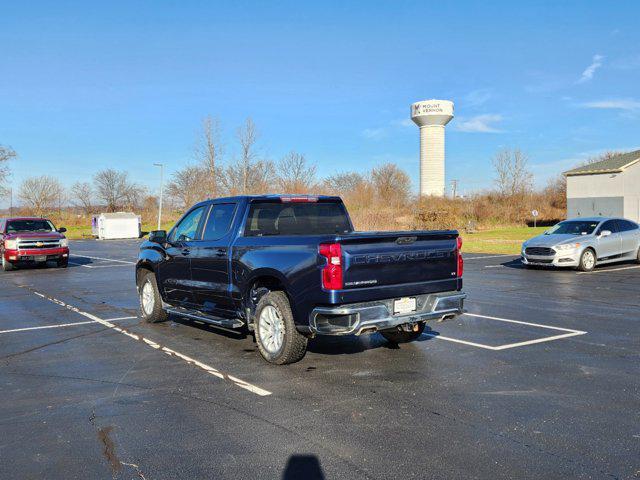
(380,197)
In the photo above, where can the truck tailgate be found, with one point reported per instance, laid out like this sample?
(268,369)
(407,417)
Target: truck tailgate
(393,258)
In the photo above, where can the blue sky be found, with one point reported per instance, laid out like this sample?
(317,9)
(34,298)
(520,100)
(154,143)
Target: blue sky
(90,85)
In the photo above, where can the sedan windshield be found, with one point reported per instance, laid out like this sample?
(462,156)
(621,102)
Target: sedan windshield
(572,228)
(38,225)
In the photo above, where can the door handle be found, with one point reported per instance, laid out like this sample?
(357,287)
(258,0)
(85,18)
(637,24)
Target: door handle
(186,251)
(221,252)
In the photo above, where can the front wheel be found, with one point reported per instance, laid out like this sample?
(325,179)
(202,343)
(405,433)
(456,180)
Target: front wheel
(399,335)
(6,265)
(278,340)
(638,256)
(587,260)
(150,300)
(63,263)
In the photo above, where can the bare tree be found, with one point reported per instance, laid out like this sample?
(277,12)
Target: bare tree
(188,186)
(116,191)
(344,183)
(603,156)
(6,154)
(41,194)
(512,173)
(247,136)
(209,153)
(392,185)
(254,178)
(82,196)
(294,174)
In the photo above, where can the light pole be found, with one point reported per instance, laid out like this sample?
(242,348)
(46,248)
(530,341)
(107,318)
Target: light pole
(161,165)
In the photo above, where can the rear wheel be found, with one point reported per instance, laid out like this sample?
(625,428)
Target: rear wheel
(150,300)
(587,260)
(399,335)
(278,340)
(6,265)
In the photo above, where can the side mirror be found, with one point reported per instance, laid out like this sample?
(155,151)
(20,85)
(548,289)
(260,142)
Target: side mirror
(158,236)
(62,230)
(605,233)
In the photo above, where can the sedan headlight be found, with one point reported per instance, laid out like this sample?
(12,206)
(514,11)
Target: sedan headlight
(11,244)
(64,242)
(566,246)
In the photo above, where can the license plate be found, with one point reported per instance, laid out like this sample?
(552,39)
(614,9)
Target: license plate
(40,258)
(404,305)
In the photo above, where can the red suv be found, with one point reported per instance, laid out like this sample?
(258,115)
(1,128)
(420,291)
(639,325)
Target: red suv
(29,240)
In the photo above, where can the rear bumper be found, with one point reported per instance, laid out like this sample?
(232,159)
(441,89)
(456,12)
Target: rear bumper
(35,254)
(368,317)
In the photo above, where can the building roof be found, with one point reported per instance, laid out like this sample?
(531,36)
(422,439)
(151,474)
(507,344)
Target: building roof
(614,164)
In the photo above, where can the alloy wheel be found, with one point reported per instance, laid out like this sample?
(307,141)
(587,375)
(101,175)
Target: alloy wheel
(148,298)
(271,329)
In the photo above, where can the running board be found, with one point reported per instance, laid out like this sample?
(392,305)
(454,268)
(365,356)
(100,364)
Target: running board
(195,315)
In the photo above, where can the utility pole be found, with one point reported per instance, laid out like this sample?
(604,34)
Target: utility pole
(454,188)
(11,202)
(161,165)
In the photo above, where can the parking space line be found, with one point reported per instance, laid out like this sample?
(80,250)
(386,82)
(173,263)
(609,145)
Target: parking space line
(610,270)
(540,325)
(488,256)
(569,333)
(61,325)
(173,353)
(106,259)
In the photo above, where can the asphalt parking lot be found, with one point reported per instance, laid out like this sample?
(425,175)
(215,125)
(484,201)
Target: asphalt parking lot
(539,380)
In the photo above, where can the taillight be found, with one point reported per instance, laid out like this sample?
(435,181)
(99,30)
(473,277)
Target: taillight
(460,260)
(332,271)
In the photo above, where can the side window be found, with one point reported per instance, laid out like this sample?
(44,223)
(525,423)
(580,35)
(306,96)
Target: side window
(187,229)
(626,225)
(219,221)
(609,225)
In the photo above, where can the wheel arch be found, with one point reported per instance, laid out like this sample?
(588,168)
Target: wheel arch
(261,282)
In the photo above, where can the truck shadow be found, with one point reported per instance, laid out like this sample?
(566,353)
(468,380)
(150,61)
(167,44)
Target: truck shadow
(350,344)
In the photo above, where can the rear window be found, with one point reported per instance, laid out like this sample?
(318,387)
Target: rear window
(297,219)
(14,226)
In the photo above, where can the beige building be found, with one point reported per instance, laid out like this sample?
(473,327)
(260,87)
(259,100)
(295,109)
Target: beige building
(609,188)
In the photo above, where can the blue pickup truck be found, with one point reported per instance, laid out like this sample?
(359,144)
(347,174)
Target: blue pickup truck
(288,268)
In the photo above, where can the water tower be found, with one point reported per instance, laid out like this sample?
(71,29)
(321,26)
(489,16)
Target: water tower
(431,116)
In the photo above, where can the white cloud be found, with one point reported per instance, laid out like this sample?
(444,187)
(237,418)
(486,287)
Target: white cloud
(475,98)
(374,133)
(479,123)
(588,73)
(628,104)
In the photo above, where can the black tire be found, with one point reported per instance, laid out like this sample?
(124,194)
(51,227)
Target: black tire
(63,263)
(585,265)
(396,335)
(153,313)
(7,266)
(638,256)
(293,344)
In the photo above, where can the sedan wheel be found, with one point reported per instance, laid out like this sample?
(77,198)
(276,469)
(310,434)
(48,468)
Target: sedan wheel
(587,260)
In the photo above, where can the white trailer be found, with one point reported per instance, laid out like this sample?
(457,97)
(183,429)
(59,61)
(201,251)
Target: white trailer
(117,225)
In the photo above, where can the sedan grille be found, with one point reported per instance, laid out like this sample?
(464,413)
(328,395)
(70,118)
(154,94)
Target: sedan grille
(34,244)
(540,251)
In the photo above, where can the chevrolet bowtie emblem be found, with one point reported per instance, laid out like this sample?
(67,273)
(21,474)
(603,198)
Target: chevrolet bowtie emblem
(39,244)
